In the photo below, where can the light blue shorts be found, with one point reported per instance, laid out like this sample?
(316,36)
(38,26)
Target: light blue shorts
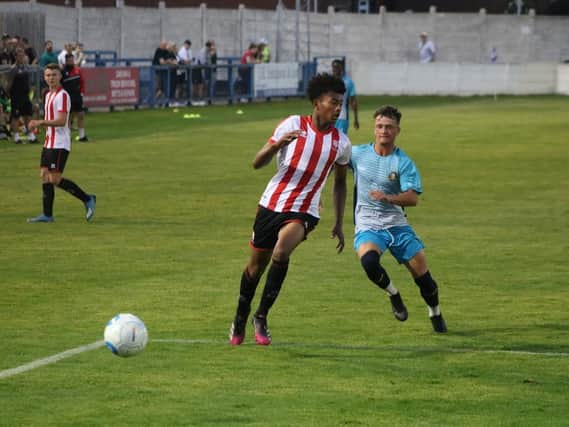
(401,241)
(342,125)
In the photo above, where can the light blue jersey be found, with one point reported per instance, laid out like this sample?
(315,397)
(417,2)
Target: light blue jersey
(392,174)
(343,121)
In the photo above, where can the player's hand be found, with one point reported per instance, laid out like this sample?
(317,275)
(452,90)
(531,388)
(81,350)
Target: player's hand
(33,124)
(339,233)
(378,195)
(288,137)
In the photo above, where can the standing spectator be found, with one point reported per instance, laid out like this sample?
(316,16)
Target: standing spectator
(343,122)
(68,48)
(5,54)
(264,53)
(56,148)
(78,55)
(48,56)
(185,57)
(245,75)
(208,57)
(73,83)
(30,52)
(427,49)
(21,106)
(161,58)
(4,115)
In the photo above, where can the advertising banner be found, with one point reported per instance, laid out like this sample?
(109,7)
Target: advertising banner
(276,79)
(110,86)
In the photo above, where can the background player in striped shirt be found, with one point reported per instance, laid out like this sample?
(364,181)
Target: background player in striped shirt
(386,181)
(306,147)
(56,148)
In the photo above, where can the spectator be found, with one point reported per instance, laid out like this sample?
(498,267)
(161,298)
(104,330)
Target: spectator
(20,104)
(264,53)
(427,49)
(173,63)
(30,52)
(185,58)
(208,57)
(78,55)
(48,56)
(6,57)
(248,57)
(4,114)
(493,55)
(161,56)
(67,48)
(73,83)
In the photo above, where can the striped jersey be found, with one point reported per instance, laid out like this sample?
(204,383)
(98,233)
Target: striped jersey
(57,101)
(392,174)
(303,166)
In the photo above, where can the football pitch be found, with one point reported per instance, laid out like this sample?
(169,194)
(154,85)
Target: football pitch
(176,201)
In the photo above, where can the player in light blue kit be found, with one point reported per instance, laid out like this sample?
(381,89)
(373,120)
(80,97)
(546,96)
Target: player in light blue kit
(386,181)
(343,122)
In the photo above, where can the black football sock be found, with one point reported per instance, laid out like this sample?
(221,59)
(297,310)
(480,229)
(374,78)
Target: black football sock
(73,189)
(275,278)
(47,199)
(429,289)
(246,293)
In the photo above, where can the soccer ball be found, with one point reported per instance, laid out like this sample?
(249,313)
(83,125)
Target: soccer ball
(126,335)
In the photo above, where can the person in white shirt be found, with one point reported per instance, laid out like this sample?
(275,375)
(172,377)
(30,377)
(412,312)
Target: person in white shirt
(427,49)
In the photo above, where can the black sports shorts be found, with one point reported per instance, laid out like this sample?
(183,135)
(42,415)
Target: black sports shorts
(76,103)
(268,224)
(20,106)
(54,159)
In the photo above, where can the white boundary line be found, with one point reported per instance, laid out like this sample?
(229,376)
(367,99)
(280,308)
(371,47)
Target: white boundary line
(51,359)
(98,344)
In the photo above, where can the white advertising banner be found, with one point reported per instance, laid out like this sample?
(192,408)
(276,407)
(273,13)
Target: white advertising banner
(276,79)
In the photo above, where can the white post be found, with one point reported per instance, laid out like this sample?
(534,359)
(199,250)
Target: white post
(203,11)
(241,13)
(308,30)
(297,31)
(162,13)
(79,16)
(119,4)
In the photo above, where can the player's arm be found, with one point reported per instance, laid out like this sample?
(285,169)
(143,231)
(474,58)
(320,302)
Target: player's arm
(339,197)
(59,121)
(406,198)
(354,105)
(271,148)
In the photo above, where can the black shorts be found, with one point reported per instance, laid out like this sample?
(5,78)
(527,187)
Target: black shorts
(76,103)
(197,75)
(53,159)
(268,223)
(20,106)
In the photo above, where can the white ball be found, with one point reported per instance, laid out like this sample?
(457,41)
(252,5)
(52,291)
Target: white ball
(126,335)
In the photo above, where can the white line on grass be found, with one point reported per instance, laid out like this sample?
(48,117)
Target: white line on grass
(51,359)
(97,344)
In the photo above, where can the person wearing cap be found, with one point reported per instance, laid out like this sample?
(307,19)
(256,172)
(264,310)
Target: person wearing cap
(427,49)
(264,53)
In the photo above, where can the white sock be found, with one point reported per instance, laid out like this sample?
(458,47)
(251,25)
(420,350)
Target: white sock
(391,290)
(16,136)
(434,311)
(31,136)
(81,132)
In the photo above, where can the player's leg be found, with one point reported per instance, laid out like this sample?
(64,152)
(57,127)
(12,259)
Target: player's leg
(289,237)
(48,192)
(81,124)
(31,135)
(55,176)
(250,277)
(369,246)
(418,268)
(15,123)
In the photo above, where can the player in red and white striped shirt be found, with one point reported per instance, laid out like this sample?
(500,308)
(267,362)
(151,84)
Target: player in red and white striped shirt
(56,148)
(306,148)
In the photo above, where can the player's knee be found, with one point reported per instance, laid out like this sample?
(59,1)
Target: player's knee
(375,272)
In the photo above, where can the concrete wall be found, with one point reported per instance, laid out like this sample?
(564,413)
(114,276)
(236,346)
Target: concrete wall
(384,37)
(374,78)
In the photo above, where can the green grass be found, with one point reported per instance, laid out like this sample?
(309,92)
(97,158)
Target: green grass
(176,201)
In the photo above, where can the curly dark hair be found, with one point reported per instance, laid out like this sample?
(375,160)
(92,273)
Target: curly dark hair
(388,111)
(323,83)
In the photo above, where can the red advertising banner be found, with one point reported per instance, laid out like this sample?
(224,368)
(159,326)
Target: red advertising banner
(110,86)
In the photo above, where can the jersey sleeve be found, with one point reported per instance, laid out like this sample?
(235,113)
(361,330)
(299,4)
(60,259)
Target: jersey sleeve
(409,177)
(62,102)
(287,125)
(344,150)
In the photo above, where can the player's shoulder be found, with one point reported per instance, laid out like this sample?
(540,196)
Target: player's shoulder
(362,148)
